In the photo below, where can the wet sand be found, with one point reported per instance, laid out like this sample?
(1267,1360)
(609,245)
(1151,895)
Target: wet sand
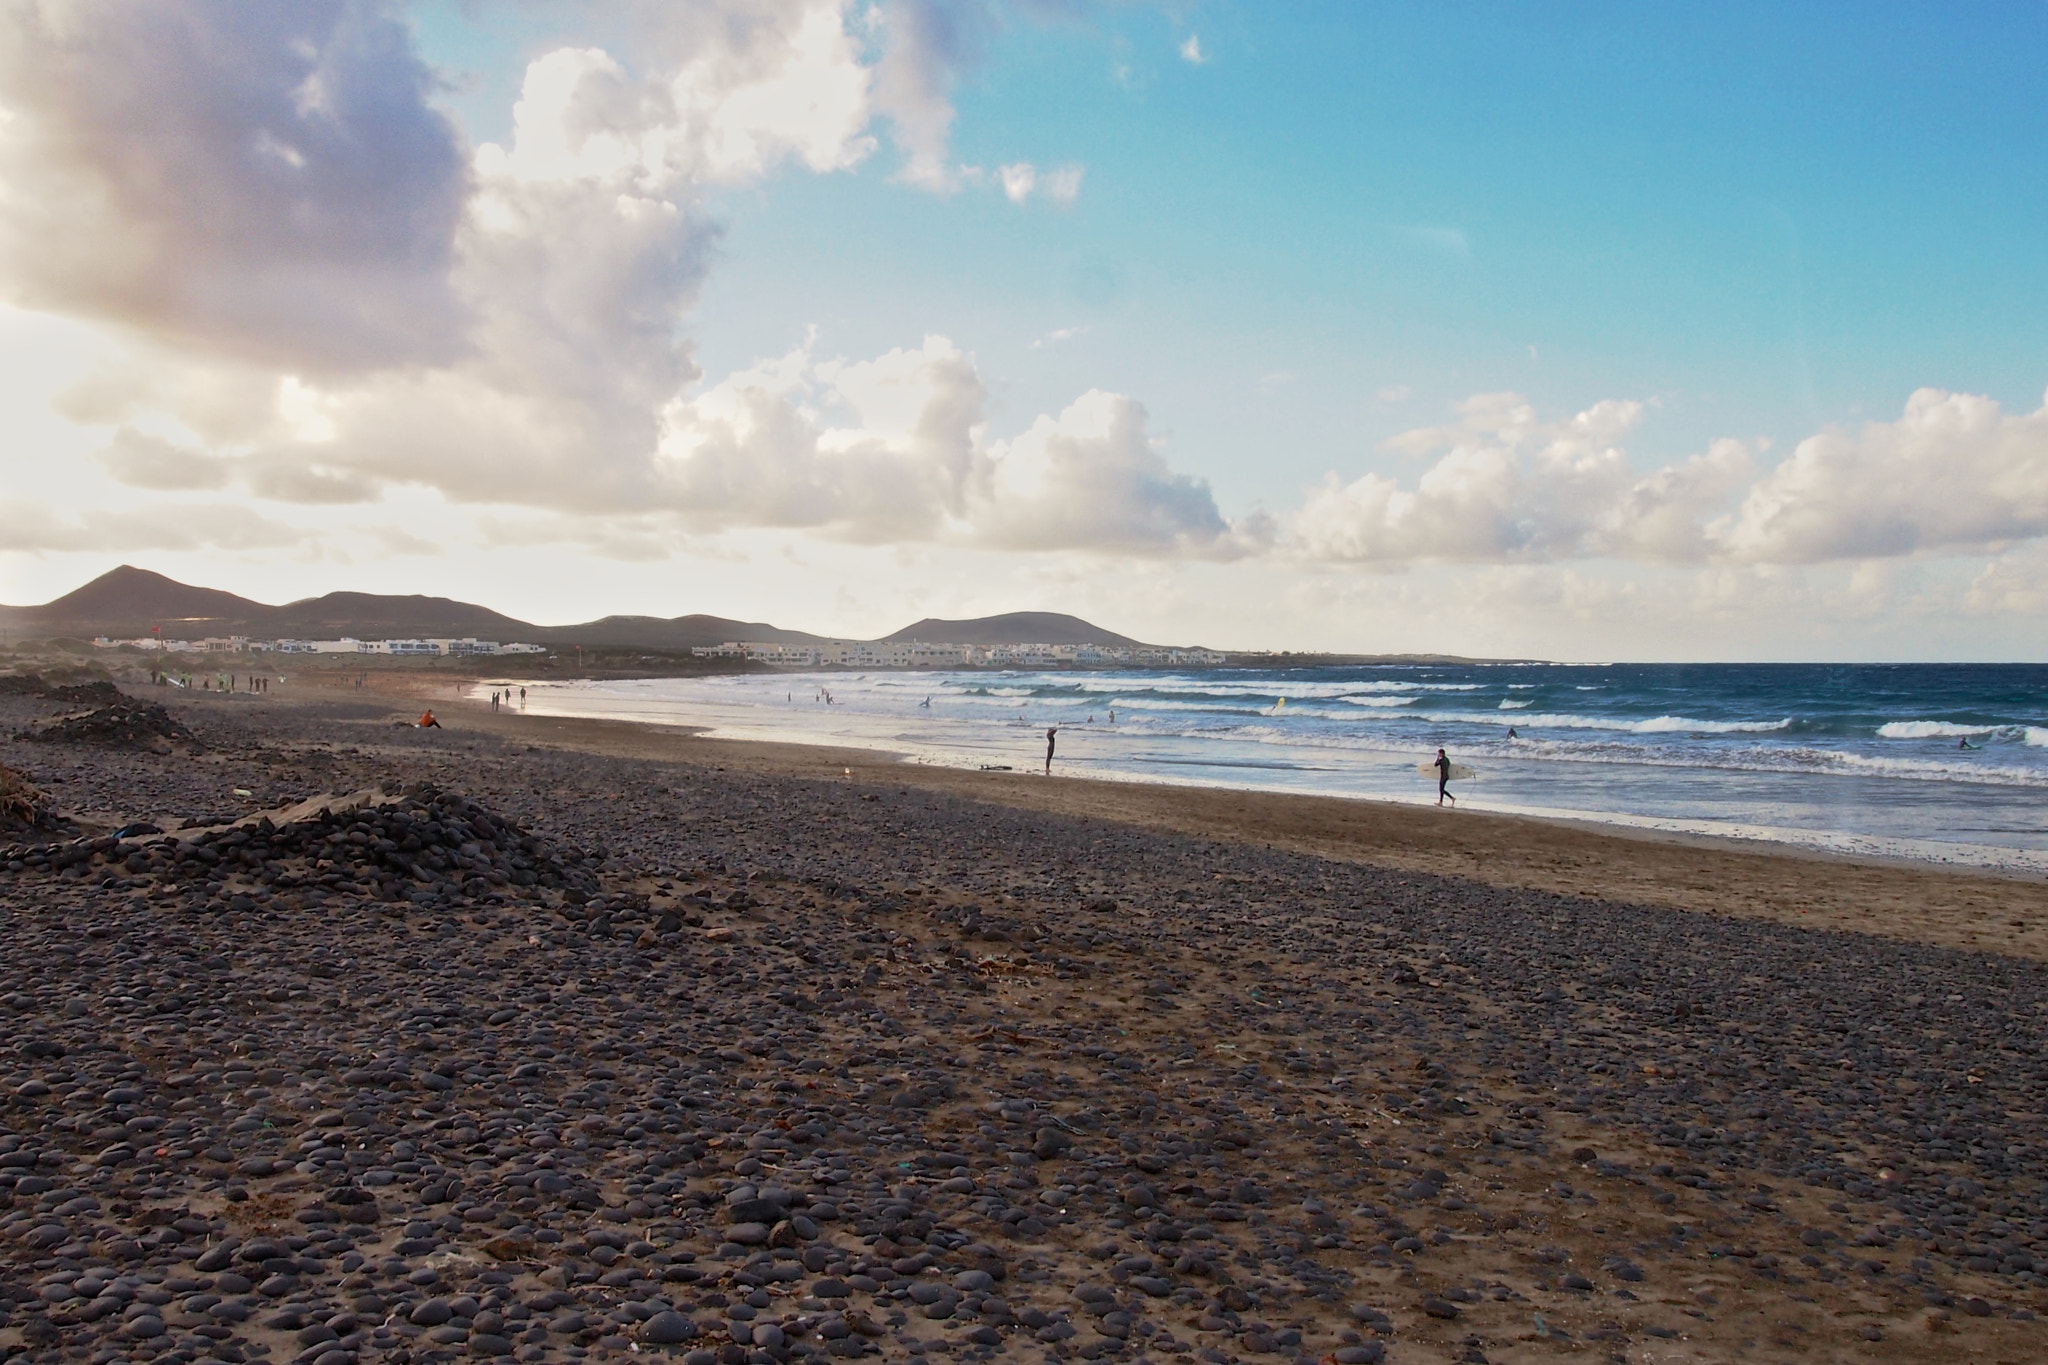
(627,1038)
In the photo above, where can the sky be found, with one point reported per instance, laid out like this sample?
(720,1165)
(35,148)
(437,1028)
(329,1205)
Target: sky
(1570,331)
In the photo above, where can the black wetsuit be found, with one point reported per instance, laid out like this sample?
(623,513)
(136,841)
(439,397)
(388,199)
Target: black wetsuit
(1443,778)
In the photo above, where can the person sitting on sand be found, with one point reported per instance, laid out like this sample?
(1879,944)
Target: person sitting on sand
(1443,778)
(427,722)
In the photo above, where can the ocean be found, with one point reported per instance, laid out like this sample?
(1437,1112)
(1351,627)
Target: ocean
(1864,759)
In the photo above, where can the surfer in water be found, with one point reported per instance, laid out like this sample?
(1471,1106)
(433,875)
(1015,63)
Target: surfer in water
(1443,778)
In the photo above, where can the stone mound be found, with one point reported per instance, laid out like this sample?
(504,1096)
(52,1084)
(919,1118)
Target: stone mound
(422,847)
(99,692)
(130,723)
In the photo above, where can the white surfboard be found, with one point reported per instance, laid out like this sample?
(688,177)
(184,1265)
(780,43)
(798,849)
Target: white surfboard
(1459,772)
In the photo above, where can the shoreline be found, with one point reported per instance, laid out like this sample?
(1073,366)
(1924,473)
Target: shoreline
(594,1037)
(1976,909)
(1842,811)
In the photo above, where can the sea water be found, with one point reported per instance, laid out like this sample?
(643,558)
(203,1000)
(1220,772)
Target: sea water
(1862,759)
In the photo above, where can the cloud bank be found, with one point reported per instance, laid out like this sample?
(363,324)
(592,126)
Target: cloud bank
(326,294)
(1954,474)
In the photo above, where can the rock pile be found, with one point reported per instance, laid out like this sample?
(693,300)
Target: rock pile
(425,847)
(97,691)
(135,724)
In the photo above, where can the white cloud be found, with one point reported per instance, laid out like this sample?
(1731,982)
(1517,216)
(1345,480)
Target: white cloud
(38,528)
(1061,185)
(1508,487)
(1191,50)
(897,449)
(269,182)
(1056,336)
(144,461)
(1955,472)
(926,44)
(1019,180)
(1093,479)
(562,264)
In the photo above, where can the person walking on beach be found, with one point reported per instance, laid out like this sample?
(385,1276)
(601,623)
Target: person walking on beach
(1443,778)
(1050,735)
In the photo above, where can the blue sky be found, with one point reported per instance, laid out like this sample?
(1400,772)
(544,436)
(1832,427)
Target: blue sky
(1604,322)
(1767,217)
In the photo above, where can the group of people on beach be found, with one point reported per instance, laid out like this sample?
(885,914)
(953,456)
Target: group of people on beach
(504,698)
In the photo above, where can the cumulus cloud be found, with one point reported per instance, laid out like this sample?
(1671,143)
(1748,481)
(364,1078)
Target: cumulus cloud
(897,449)
(1508,487)
(563,260)
(1191,50)
(1093,478)
(327,295)
(1955,472)
(265,181)
(926,44)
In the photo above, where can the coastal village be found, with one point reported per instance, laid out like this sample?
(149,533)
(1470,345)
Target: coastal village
(913,654)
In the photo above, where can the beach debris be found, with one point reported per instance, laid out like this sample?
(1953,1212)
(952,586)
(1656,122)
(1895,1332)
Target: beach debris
(23,805)
(134,724)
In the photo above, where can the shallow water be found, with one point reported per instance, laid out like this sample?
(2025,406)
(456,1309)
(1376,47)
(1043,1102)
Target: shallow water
(1861,758)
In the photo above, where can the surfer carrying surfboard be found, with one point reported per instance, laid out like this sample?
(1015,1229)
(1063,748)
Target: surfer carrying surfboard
(1443,778)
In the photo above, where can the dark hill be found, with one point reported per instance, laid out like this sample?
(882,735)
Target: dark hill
(126,602)
(1011,628)
(372,616)
(654,632)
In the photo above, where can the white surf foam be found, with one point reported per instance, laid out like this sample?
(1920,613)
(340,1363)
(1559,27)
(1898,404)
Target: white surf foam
(1931,729)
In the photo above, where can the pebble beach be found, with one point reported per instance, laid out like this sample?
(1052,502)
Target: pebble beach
(334,1041)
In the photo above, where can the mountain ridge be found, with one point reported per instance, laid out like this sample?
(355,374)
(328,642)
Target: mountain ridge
(126,602)
(1009,628)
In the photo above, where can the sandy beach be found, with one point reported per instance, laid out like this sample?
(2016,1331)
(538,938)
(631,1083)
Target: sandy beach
(603,1041)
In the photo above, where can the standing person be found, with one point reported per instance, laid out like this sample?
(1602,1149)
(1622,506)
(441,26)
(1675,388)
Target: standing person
(1050,735)
(1443,778)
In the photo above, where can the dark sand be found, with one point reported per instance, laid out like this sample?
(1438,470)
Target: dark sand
(967,1066)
